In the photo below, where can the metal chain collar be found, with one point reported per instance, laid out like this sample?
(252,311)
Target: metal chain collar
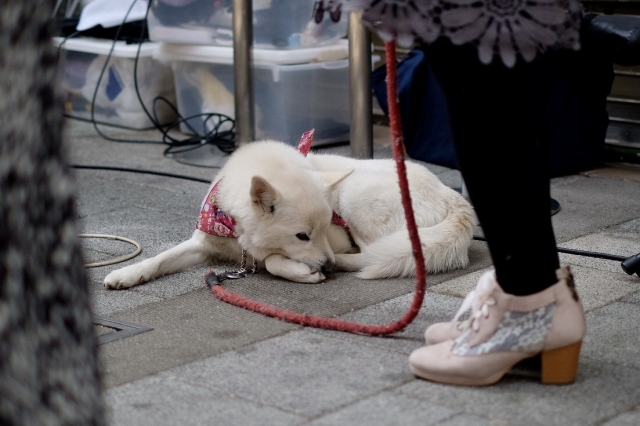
(239,273)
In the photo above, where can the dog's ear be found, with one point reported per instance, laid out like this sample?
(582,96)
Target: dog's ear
(331,179)
(263,194)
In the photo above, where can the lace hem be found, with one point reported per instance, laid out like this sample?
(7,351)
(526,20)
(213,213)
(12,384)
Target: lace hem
(502,28)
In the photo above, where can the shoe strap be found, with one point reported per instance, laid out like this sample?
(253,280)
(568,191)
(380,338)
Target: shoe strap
(475,298)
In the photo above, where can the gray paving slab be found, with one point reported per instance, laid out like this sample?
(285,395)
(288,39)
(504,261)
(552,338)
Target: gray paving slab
(301,372)
(87,147)
(620,240)
(468,419)
(630,418)
(612,335)
(601,391)
(183,197)
(142,225)
(587,204)
(107,302)
(598,288)
(376,407)
(390,409)
(186,328)
(632,298)
(164,400)
(435,308)
(595,287)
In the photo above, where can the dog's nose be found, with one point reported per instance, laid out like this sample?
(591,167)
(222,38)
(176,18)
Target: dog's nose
(328,267)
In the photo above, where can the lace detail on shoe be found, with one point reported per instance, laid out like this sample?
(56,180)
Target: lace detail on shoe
(518,331)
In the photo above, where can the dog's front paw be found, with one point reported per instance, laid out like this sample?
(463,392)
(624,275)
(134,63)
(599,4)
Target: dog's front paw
(313,277)
(292,270)
(302,273)
(123,278)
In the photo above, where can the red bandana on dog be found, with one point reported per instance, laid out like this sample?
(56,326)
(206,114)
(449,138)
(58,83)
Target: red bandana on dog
(305,142)
(214,221)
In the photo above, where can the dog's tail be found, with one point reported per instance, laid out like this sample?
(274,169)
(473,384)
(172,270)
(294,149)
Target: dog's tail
(445,247)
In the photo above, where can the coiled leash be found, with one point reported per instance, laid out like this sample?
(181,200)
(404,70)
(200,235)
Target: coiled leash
(214,280)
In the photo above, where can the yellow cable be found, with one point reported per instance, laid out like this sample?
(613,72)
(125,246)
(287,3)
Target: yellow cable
(117,259)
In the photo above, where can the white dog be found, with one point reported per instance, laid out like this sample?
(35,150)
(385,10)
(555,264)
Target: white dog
(281,207)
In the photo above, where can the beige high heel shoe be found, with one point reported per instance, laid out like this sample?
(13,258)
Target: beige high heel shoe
(503,330)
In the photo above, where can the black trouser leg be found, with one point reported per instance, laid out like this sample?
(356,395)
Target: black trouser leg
(502,154)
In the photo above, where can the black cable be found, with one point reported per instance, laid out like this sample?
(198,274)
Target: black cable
(223,139)
(149,172)
(598,255)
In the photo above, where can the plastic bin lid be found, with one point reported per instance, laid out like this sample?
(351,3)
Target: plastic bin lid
(224,54)
(103,46)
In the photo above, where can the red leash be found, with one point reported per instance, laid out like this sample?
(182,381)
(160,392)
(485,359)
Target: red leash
(347,326)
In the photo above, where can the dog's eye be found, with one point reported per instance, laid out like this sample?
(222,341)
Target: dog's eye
(302,236)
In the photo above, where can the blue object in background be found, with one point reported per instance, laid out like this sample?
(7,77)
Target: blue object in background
(425,121)
(114,84)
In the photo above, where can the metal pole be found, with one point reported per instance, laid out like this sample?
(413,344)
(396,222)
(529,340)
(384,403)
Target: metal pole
(242,71)
(361,137)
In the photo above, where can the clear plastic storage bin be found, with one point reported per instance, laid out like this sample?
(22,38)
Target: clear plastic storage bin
(290,97)
(277,24)
(116,101)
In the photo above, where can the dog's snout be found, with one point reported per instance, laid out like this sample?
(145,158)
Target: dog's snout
(328,267)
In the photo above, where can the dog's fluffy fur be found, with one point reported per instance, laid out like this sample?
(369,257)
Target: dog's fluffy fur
(282,203)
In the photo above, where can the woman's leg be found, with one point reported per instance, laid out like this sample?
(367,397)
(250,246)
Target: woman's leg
(502,153)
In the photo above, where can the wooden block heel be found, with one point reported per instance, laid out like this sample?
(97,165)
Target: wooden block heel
(560,366)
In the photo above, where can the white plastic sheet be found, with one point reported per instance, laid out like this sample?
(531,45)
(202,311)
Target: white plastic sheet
(111,13)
